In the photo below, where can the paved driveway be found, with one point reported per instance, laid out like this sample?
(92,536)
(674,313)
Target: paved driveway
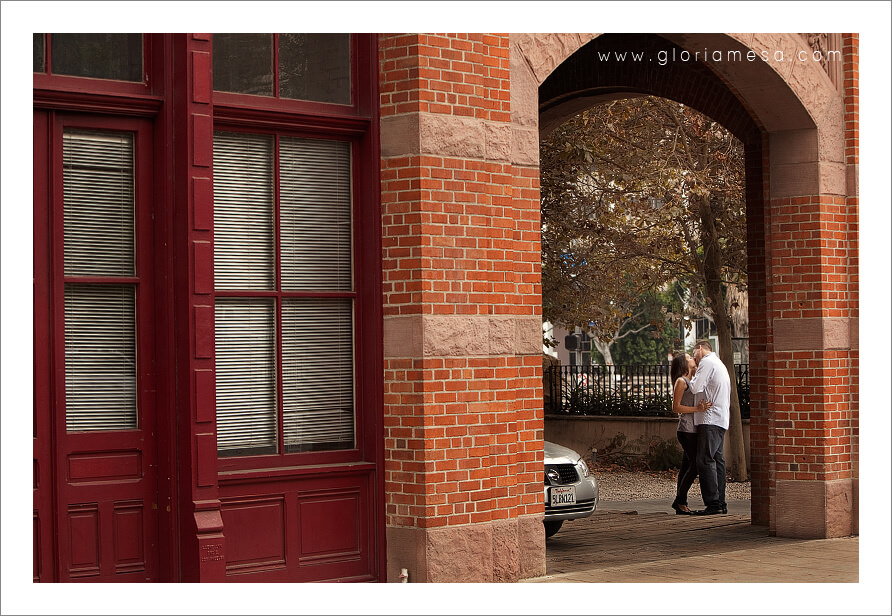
(625,545)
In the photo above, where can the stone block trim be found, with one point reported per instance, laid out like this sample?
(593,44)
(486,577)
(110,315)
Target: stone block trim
(810,509)
(493,552)
(461,335)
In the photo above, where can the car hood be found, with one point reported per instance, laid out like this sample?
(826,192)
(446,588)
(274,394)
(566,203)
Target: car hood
(556,454)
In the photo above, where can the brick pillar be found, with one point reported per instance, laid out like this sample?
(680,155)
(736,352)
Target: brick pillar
(812,366)
(462,316)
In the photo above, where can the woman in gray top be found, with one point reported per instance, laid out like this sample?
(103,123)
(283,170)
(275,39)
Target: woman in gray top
(681,371)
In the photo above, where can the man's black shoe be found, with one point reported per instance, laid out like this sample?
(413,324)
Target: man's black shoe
(724,509)
(710,511)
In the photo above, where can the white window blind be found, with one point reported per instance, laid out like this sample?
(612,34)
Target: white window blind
(317,373)
(100,357)
(243,211)
(98,203)
(315,205)
(246,376)
(314,214)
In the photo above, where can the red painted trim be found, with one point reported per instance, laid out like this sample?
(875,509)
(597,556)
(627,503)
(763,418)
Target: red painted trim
(165,358)
(266,475)
(277,261)
(121,104)
(369,188)
(277,120)
(286,294)
(275,66)
(286,106)
(43,479)
(102,279)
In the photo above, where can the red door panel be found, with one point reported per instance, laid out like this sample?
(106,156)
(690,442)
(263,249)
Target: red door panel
(309,528)
(105,478)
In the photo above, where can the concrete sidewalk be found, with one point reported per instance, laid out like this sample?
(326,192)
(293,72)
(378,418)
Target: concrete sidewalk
(639,541)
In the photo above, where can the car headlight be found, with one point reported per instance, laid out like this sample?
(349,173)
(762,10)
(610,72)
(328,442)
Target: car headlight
(582,468)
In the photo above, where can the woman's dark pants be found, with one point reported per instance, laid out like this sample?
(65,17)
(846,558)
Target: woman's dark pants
(688,471)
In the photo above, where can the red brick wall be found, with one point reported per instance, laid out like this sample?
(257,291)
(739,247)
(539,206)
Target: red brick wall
(460,239)
(761,392)
(850,94)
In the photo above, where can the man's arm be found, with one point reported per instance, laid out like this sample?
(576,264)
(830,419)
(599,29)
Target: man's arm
(701,377)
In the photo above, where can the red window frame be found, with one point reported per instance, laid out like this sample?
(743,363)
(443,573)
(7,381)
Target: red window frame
(47,80)
(360,89)
(356,123)
(142,280)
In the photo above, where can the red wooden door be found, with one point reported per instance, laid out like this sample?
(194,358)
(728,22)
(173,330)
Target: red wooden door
(103,411)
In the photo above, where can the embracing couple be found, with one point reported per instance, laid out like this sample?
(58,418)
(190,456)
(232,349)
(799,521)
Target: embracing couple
(701,396)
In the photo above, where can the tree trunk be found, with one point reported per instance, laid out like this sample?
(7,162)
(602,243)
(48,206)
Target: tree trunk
(604,350)
(735,454)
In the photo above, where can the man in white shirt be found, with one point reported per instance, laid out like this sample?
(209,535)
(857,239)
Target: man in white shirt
(712,382)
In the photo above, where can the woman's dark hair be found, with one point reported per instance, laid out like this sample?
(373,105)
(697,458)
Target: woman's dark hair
(679,366)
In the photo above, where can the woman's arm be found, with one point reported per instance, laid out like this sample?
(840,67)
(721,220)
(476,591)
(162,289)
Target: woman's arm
(678,407)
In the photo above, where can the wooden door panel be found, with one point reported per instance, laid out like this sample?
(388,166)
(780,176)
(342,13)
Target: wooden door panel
(128,522)
(312,528)
(106,478)
(104,466)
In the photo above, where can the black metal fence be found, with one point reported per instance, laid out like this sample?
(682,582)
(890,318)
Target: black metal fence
(638,391)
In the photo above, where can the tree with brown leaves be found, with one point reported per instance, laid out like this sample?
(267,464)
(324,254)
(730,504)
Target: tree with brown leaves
(637,193)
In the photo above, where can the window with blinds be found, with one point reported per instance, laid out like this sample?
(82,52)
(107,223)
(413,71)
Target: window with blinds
(284,294)
(98,204)
(317,373)
(100,308)
(100,357)
(243,212)
(315,206)
(246,376)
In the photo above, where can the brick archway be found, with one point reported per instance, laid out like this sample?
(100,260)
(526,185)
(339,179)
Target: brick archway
(463,417)
(790,112)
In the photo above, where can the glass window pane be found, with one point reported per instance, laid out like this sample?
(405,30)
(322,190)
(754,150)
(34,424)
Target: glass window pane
(98,203)
(243,63)
(317,374)
(100,357)
(315,210)
(39,52)
(103,56)
(243,211)
(315,67)
(246,376)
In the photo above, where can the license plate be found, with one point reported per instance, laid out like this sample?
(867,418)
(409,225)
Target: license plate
(564,495)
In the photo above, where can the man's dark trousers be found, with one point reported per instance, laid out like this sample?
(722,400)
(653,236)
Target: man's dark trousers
(711,465)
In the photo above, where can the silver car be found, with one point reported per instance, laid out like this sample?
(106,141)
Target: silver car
(571,491)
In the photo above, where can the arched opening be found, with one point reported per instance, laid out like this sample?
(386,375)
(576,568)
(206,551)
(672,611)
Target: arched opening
(792,129)
(634,194)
